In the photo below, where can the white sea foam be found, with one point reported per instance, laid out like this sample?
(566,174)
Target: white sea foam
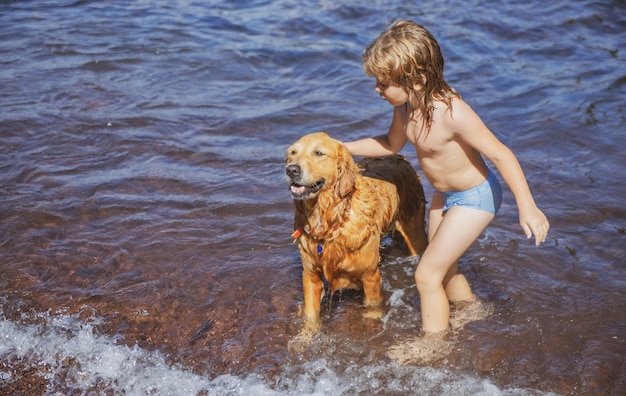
(98,359)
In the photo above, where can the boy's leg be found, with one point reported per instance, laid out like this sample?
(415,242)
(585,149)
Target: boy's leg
(450,236)
(455,285)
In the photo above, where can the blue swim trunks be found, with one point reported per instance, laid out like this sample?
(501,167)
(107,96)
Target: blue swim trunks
(487,196)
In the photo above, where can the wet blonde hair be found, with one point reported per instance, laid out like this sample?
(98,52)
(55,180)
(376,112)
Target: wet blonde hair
(408,54)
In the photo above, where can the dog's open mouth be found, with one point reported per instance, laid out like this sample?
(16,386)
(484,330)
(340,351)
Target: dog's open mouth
(300,192)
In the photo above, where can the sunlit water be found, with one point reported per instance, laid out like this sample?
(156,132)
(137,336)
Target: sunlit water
(145,219)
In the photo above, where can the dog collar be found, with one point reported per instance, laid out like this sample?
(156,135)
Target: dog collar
(300,230)
(296,234)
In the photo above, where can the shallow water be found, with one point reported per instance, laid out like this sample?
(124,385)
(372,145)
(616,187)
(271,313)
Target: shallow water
(145,219)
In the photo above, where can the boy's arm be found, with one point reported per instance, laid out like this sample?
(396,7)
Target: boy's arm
(382,145)
(532,220)
(470,128)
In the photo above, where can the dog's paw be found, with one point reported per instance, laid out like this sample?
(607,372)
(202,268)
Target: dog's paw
(301,342)
(373,312)
(298,344)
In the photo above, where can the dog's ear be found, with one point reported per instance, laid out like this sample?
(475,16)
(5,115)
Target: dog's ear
(347,171)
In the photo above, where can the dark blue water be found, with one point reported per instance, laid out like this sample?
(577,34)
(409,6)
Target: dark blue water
(145,219)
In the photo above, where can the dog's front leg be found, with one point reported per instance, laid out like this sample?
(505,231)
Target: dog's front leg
(313,286)
(372,288)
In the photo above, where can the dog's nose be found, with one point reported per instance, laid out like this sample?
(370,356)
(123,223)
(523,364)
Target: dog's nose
(293,171)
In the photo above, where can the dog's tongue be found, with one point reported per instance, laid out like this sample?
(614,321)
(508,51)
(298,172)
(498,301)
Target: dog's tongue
(298,190)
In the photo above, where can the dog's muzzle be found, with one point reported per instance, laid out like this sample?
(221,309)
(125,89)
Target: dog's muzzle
(299,190)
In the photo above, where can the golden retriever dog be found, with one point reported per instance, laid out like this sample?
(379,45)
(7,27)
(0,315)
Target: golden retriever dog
(342,210)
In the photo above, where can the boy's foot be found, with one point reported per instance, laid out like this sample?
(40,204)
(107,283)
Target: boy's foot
(421,350)
(464,312)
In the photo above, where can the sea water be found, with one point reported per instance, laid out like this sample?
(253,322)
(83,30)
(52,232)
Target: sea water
(145,219)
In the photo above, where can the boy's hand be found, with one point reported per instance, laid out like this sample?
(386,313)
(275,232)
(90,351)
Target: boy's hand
(534,222)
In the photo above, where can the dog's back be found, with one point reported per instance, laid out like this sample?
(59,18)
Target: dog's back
(410,221)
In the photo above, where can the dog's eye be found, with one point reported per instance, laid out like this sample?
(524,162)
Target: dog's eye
(318,153)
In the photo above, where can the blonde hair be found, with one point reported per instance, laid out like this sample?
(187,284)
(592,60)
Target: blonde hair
(408,54)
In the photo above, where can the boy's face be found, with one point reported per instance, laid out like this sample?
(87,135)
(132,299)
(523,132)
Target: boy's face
(392,93)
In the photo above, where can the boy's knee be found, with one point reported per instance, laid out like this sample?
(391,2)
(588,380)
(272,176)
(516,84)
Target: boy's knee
(425,281)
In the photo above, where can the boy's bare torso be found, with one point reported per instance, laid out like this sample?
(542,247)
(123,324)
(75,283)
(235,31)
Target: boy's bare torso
(447,161)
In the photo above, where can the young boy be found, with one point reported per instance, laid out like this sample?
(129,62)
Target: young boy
(451,141)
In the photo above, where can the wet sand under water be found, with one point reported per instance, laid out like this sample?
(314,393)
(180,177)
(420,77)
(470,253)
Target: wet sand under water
(215,339)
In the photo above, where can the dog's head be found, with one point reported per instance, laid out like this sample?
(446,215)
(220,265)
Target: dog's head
(317,163)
